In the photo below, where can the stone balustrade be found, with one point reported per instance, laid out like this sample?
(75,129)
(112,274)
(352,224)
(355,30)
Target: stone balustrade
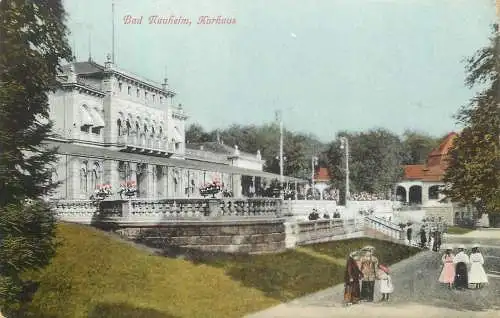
(254,207)
(79,211)
(166,210)
(152,143)
(308,232)
(385,229)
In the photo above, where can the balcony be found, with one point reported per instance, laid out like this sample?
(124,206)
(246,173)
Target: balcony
(147,145)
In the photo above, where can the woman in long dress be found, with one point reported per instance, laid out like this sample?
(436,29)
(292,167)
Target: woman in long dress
(477,275)
(352,277)
(448,272)
(461,261)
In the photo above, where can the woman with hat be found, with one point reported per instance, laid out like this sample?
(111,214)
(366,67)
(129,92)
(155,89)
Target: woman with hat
(351,280)
(448,272)
(461,260)
(477,275)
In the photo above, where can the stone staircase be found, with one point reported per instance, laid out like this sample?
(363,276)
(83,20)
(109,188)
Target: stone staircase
(382,229)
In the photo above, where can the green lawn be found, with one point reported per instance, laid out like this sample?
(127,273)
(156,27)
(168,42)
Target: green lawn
(94,275)
(458,230)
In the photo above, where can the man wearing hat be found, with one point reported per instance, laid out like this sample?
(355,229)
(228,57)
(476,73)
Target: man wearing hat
(461,260)
(477,275)
(369,268)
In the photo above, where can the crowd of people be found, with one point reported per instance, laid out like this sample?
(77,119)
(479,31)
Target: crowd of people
(362,270)
(365,196)
(461,270)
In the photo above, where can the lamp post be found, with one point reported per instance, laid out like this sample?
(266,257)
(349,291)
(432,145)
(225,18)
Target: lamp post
(344,144)
(314,163)
(280,119)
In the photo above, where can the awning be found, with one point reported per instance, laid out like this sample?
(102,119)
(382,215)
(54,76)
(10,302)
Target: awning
(96,118)
(103,153)
(85,118)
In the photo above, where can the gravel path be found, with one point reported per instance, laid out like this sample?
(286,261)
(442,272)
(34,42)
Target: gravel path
(417,294)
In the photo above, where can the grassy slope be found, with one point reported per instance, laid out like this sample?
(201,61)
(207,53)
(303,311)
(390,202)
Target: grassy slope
(94,275)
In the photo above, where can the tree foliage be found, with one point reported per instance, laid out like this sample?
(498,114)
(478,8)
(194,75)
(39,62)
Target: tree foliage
(473,176)
(298,148)
(375,159)
(33,43)
(417,146)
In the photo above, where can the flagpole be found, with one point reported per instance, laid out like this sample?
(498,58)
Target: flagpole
(113,32)
(281,155)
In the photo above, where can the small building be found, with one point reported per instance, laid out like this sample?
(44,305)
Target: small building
(422,183)
(322,180)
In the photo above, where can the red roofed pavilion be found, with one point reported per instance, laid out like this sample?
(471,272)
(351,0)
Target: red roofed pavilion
(421,182)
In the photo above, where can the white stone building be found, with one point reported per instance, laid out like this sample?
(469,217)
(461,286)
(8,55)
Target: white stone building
(113,126)
(422,183)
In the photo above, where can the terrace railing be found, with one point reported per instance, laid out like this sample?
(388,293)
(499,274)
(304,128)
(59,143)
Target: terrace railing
(166,210)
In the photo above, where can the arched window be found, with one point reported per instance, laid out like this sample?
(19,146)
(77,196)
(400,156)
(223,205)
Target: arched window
(145,129)
(137,130)
(433,192)
(83,177)
(152,131)
(176,186)
(161,132)
(119,125)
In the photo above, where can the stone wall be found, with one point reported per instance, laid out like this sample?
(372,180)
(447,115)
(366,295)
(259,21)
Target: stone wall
(445,212)
(252,236)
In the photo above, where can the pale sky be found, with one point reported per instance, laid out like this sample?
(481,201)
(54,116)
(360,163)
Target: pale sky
(329,65)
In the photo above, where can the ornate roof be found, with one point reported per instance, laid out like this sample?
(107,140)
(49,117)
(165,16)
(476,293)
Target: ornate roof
(322,174)
(433,170)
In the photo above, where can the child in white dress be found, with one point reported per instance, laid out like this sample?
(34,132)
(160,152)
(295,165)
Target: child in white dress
(386,287)
(477,275)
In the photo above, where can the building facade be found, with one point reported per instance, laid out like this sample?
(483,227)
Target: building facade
(113,127)
(422,183)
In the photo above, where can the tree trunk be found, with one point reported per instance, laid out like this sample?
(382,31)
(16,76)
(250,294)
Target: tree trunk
(494,220)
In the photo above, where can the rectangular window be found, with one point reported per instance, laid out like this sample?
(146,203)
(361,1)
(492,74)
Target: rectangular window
(120,86)
(153,98)
(138,92)
(85,128)
(129,90)
(146,96)
(96,130)
(161,100)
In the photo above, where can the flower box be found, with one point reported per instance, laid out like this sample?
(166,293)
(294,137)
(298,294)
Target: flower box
(211,189)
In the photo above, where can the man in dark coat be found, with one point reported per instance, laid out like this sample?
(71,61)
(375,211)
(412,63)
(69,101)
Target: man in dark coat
(423,238)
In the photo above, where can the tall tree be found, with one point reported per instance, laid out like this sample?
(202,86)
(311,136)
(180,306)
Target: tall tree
(195,133)
(32,45)
(417,146)
(473,176)
(375,159)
